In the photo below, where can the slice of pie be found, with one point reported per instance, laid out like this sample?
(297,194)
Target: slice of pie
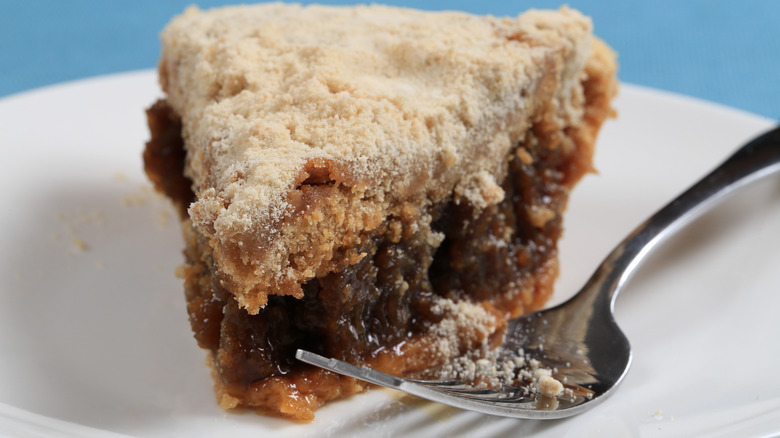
(374,184)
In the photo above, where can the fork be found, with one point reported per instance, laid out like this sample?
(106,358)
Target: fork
(579,340)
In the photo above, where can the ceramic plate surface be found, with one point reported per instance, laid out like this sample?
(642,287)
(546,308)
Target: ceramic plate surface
(95,340)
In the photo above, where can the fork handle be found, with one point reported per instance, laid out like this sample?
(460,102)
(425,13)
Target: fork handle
(753,161)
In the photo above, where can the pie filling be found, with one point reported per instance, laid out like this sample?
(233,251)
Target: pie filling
(382,309)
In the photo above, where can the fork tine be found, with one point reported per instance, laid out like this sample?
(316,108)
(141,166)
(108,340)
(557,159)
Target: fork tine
(339,366)
(457,388)
(503,400)
(448,383)
(435,392)
(469,392)
(373,376)
(509,395)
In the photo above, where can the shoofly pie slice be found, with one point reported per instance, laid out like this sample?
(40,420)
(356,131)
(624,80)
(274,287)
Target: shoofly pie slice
(380,185)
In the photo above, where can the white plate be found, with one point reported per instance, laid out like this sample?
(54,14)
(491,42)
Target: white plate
(94,338)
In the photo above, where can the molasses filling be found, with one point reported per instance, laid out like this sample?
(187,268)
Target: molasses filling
(408,241)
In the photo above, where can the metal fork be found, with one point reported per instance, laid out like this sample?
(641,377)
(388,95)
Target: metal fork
(579,340)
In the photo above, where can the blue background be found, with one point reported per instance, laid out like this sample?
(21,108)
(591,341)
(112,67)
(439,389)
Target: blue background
(723,51)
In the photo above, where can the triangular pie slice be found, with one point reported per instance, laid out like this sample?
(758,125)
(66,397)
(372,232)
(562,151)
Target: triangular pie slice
(380,185)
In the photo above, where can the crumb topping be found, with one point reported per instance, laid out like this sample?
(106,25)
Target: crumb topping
(390,104)
(466,338)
